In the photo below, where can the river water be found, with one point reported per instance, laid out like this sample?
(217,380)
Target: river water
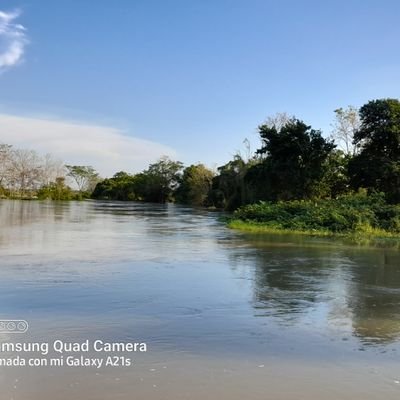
(224,314)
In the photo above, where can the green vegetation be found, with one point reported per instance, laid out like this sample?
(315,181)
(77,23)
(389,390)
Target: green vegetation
(294,163)
(377,165)
(303,183)
(195,185)
(228,188)
(357,214)
(347,183)
(157,184)
(85,178)
(58,190)
(120,187)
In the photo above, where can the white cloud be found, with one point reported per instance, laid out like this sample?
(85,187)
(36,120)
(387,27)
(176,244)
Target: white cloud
(107,149)
(12,40)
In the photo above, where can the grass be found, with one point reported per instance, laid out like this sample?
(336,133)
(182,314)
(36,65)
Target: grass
(257,227)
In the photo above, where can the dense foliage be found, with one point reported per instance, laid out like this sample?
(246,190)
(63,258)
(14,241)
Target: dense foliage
(156,184)
(377,166)
(296,160)
(195,185)
(119,187)
(58,190)
(228,188)
(346,214)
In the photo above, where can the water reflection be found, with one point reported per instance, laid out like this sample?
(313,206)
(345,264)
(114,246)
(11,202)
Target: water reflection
(376,300)
(350,290)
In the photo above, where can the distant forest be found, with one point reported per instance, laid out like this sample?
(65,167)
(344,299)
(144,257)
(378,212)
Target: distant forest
(294,162)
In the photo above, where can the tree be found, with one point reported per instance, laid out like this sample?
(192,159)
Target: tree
(51,170)
(84,176)
(25,171)
(5,159)
(347,123)
(57,190)
(377,166)
(195,185)
(228,188)
(279,120)
(295,159)
(335,181)
(120,187)
(159,181)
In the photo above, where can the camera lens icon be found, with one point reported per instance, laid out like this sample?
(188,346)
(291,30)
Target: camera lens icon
(13,326)
(22,326)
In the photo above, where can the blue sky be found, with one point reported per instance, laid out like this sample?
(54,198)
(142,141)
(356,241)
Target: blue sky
(190,78)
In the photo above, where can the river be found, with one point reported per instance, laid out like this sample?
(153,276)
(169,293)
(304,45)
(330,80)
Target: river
(224,314)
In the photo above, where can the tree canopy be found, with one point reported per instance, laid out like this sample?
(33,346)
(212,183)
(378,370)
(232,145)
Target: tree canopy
(377,166)
(294,159)
(85,176)
(195,185)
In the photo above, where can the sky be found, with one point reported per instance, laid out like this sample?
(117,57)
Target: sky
(118,84)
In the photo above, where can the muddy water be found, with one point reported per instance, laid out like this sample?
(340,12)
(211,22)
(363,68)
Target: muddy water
(224,315)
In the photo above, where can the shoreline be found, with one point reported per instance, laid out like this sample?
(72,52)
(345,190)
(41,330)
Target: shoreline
(374,236)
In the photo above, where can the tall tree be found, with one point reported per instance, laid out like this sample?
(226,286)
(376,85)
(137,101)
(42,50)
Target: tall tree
(377,166)
(84,176)
(52,169)
(228,188)
(159,181)
(295,159)
(195,185)
(347,123)
(25,171)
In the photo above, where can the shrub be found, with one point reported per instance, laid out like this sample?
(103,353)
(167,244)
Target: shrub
(350,213)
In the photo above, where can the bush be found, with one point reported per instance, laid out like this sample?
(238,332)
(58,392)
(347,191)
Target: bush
(346,214)
(57,191)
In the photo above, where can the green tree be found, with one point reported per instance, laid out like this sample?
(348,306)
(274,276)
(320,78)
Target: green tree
(57,190)
(195,185)
(335,181)
(228,189)
(159,182)
(377,166)
(84,176)
(120,187)
(294,160)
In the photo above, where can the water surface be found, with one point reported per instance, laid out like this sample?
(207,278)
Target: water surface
(225,315)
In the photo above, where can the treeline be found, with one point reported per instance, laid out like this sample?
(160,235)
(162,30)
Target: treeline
(26,174)
(293,162)
(24,171)
(163,181)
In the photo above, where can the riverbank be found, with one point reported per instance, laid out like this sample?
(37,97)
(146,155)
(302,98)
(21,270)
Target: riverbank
(358,217)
